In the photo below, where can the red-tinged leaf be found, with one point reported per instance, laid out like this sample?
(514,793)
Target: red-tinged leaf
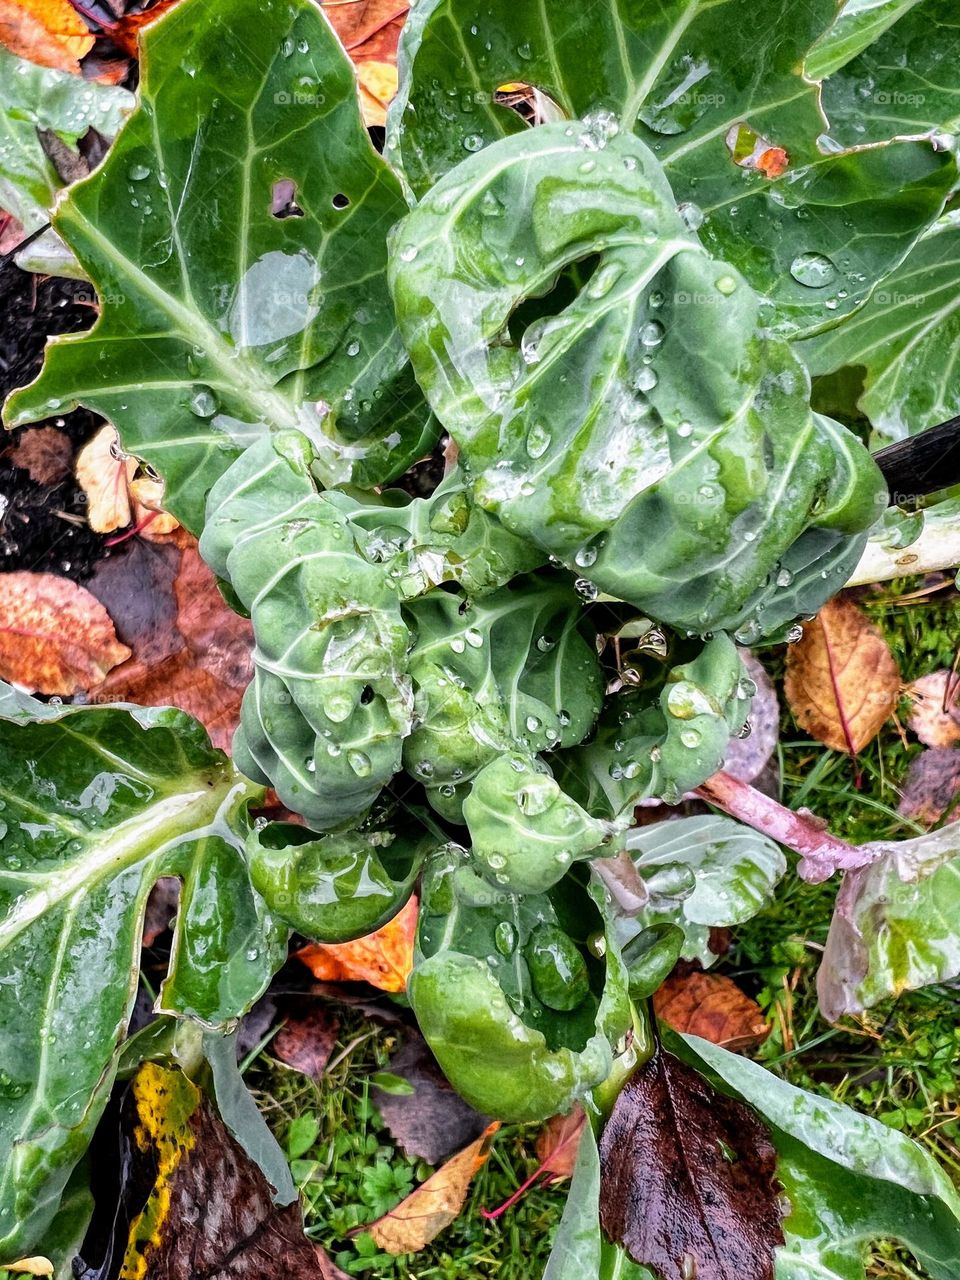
(688,1178)
(713,1007)
(55,637)
(558,1141)
(125,32)
(306,1042)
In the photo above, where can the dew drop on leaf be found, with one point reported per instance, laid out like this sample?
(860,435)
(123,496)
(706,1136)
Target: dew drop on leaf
(815,270)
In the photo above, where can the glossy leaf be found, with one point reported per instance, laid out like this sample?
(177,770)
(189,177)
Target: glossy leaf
(662,740)
(493,984)
(721,99)
(585,431)
(735,871)
(98,805)
(849,1178)
(905,341)
(902,79)
(333,888)
(34,98)
(330,701)
(222,319)
(513,672)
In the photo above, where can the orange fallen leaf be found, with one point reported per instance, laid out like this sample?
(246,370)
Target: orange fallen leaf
(384,958)
(773,162)
(935,714)
(713,1007)
(55,637)
(435,1203)
(125,32)
(378,85)
(369,31)
(841,679)
(49,32)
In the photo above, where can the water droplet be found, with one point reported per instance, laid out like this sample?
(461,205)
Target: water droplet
(473,637)
(472,142)
(691,215)
(652,333)
(646,379)
(685,429)
(203,402)
(794,634)
(557,969)
(138,172)
(408,253)
(726,285)
(533,724)
(338,707)
(359,762)
(784,578)
(815,270)
(505,938)
(690,738)
(353,348)
(538,440)
(545,643)
(586,589)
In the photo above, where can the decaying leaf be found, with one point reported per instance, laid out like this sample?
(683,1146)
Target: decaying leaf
(931,785)
(49,32)
(841,679)
(435,1203)
(55,637)
(306,1042)
(369,31)
(384,958)
(115,494)
(125,32)
(210,1212)
(747,757)
(935,714)
(433,1121)
(378,86)
(558,1141)
(45,453)
(688,1178)
(713,1007)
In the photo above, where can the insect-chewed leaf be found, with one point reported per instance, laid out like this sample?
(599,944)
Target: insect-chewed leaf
(208,339)
(688,1178)
(582,428)
(841,680)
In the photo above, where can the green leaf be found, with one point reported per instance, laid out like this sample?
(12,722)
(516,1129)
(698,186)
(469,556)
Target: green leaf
(735,871)
(894,925)
(712,90)
(492,985)
(584,430)
(906,340)
(221,321)
(337,887)
(893,68)
(848,1177)
(34,98)
(330,702)
(512,672)
(98,804)
(663,739)
(525,830)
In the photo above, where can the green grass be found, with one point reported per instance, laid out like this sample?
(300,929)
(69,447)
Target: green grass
(900,1062)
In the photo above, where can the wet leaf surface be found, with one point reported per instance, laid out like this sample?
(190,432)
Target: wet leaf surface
(712,1006)
(55,637)
(841,679)
(688,1178)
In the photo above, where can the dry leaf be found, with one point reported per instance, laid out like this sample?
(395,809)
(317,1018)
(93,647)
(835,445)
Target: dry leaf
(44,453)
(55,637)
(384,958)
(435,1203)
(104,476)
(935,714)
(49,32)
(306,1043)
(931,785)
(369,31)
(557,1144)
(378,85)
(841,679)
(713,1007)
(37,1266)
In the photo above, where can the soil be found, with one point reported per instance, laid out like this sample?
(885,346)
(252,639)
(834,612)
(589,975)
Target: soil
(42,527)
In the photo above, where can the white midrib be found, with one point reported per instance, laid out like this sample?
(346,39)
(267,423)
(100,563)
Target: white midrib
(154,831)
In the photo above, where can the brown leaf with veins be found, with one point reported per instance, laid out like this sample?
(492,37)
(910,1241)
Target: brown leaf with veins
(306,1042)
(48,32)
(841,679)
(688,1178)
(435,1203)
(55,637)
(931,785)
(383,958)
(713,1007)
(45,453)
(935,714)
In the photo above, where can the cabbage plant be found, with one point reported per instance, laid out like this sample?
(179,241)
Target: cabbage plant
(607,301)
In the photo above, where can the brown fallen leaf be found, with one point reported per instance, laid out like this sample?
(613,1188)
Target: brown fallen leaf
(935,714)
(557,1143)
(125,32)
(384,958)
(841,679)
(49,32)
(116,495)
(931,785)
(306,1042)
(45,453)
(369,31)
(433,1121)
(55,637)
(435,1203)
(712,1006)
(210,1211)
(688,1178)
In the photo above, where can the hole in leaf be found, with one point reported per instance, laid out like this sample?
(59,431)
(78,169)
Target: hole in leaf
(367,695)
(340,201)
(751,150)
(556,297)
(531,104)
(283,202)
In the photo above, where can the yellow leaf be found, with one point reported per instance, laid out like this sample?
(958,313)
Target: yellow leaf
(31,1266)
(48,32)
(378,84)
(103,474)
(435,1203)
